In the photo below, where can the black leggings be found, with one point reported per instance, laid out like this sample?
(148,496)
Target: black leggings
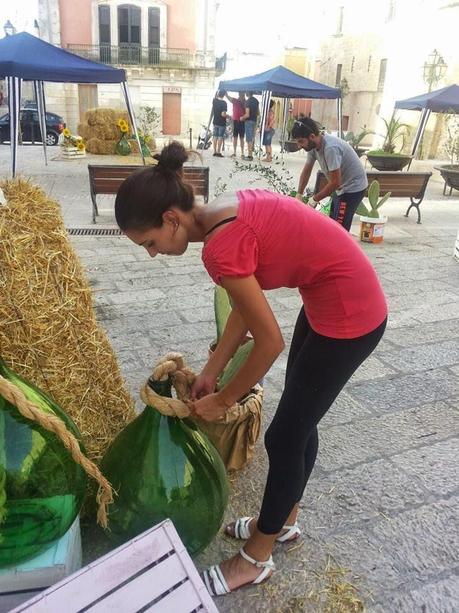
(318,368)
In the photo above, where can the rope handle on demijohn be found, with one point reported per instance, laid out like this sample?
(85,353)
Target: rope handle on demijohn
(54,424)
(173,366)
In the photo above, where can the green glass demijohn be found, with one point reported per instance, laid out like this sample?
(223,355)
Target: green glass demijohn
(164,467)
(123,146)
(41,487)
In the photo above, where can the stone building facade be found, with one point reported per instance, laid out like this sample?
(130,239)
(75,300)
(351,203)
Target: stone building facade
(167,48)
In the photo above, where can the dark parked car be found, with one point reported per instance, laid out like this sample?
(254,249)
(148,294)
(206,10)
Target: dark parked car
(30,127)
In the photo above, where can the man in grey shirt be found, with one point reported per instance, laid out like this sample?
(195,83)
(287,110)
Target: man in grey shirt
(347,179)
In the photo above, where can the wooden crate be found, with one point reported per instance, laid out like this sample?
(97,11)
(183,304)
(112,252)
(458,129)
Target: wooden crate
(21,582)
(73,152)
(152,572)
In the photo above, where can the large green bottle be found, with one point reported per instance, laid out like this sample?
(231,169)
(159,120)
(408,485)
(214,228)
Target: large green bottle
(164,467)
(41,487)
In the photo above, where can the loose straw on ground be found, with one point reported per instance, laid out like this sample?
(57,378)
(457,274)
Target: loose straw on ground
(54,424)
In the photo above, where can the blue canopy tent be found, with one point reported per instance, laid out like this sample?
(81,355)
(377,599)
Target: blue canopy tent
(24,57)
(445,100)
(283,83)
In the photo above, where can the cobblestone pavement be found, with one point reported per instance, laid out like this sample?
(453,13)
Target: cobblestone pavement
(383,496)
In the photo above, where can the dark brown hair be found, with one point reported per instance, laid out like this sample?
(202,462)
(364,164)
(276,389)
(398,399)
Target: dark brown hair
(304,127)
(146,194)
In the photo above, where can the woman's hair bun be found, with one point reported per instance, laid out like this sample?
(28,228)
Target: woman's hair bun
(172,157)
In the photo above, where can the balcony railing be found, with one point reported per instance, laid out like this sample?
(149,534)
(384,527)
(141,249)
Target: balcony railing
(135,55)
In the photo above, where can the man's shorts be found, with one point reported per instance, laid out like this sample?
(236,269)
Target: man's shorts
(249,131)
(219,131)
(238,128)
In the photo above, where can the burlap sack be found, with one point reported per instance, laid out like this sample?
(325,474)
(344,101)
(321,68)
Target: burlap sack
(235,435)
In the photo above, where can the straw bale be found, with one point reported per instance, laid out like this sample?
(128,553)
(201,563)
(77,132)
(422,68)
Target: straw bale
(101,116)
(83,130)
(105,132)
(101,147)
(48,330)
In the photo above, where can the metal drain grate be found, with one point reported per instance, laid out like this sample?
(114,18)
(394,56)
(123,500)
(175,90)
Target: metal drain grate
(94,231)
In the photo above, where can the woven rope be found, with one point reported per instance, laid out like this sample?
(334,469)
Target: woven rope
(54,424)
(172,366)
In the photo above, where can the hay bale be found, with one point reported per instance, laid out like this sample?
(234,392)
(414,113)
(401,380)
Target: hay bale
(48,330)
(83,130)
(107,132)
(101,147)
(101,116)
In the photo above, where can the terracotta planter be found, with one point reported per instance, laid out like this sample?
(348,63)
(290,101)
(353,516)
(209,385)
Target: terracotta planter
(388,162)
(372,229)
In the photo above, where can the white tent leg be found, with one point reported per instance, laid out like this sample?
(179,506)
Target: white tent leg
(420,130)
(127,97)
(340,117)
(14,104)
(40,100)
(265,100)
(284,124)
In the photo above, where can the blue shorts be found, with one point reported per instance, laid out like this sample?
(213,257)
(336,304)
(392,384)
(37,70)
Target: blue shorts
(249,130)
(268,137)
(219,131)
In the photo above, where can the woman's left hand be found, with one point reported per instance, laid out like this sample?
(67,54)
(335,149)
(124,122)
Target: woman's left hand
(210,407)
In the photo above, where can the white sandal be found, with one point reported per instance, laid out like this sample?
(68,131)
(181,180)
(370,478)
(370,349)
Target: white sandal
(216,583)
(242,530)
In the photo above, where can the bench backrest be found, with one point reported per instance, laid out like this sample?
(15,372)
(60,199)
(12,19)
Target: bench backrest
(400,184)
(106,179)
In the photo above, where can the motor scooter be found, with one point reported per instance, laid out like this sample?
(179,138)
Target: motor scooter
(204,137)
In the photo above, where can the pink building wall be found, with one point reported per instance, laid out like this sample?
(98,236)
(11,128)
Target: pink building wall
(76,26)
(181,24)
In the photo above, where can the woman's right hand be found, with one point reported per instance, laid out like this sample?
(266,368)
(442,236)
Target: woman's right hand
(203,385)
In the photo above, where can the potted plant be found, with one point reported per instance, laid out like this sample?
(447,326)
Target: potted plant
(450,172)
(395,137)
(354,139)
(371,222)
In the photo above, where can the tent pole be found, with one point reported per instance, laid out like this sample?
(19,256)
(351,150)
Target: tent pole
(284,124)
(340,117)
(420,131)
(14,104)
(132,117)
(265,100)
(40,100)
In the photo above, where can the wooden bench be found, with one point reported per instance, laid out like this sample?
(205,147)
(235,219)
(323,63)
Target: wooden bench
(104,179)
(410,185)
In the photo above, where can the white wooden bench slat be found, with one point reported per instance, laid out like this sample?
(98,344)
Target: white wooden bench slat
(144,588)
(115,573)
(182,600)
(97,579)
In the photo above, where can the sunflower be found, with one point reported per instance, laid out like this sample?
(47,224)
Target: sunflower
(66,133)
(120,122)
(124,128)
(80,145)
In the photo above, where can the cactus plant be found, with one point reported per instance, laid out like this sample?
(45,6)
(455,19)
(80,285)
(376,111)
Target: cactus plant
(374,200)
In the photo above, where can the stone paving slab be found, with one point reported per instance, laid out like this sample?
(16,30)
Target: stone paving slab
(383,496)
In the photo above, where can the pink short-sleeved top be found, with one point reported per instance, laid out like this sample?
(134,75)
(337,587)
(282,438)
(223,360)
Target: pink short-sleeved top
(284,243)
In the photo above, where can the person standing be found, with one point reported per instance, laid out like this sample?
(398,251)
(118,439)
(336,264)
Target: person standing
(346,178)
(255,240)
(219,109)
(250,117)
(268,133)
(238,125)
